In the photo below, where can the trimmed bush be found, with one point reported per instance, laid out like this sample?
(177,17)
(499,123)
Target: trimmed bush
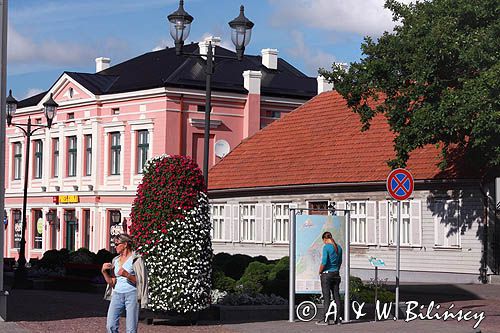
(222,282)
(82,256)
(255,277)
(103,256)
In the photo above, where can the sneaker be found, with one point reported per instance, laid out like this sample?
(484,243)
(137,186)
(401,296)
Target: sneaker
(322,323)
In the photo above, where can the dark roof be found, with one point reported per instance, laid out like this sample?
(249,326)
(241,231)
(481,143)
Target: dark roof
(164,68)
(30,101)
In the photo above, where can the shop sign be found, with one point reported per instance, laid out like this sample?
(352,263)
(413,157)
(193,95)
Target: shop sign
(66,199)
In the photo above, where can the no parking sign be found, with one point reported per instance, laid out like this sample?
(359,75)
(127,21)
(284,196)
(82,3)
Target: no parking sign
(400,184)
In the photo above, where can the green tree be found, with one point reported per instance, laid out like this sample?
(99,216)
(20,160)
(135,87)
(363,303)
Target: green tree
(435,78)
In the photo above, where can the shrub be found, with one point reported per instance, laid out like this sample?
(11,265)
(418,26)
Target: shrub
(222,282)
(82,256)
(103,256)
(53,259)
(236,265)
(255,277)
(171,226)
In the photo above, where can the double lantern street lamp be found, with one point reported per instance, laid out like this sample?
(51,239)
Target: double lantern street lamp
(50,109)
(241,31)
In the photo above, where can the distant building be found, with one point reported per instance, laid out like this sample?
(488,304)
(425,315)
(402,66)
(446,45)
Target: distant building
(316,156)
(87,167)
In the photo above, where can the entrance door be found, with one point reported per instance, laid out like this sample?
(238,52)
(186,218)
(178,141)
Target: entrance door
(86,236)
(71,225)
(53,235)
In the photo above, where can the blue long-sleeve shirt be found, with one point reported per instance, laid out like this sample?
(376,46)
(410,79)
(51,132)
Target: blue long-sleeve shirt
(330,259)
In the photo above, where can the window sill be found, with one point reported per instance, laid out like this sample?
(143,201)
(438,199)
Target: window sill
(221,241)
(280,243)
(447,248)
(406,246)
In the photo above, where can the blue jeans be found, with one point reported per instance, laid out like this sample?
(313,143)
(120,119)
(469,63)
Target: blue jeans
(119,302)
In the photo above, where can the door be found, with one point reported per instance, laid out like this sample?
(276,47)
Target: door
(71,225)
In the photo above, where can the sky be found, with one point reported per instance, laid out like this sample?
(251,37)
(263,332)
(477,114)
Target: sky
(48,37)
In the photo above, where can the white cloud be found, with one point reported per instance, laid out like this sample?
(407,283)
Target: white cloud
(32,92)
(313,59)
(22,49)
(163,44)
(365,17)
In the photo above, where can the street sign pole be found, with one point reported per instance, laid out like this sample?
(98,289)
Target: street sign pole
(291,286)
(400,186)
(398,258)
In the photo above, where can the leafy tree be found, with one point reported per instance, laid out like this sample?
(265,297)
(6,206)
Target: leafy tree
(436,78)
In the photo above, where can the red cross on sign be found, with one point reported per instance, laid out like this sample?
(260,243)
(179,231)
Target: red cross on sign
(400,184)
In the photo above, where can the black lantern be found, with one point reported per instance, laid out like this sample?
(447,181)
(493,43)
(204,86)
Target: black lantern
(50,108)
(51,217)
(115,216)
(11,107)
(241,32)
(180,25)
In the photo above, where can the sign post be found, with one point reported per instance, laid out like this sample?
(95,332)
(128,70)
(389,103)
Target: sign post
(400,186)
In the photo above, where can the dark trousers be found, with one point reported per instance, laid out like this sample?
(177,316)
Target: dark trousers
(330,282)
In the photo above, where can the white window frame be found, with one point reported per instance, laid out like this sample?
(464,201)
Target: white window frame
(281,222)
(55,157)
(218,222)
(72,142)
(358,222)
(142,149)
(441,222)
(38,145)
(115,149)
(18,160)
(247,222)
(392,215)
(88,154)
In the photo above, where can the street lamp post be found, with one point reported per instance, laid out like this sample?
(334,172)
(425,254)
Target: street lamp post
(180,25)
(50,109)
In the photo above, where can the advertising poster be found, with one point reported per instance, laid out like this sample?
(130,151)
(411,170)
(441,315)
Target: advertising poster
(309,246)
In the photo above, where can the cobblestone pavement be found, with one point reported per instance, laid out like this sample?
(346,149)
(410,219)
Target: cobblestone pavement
(59,311)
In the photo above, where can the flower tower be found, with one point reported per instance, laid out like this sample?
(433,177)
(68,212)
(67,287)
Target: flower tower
(171,228)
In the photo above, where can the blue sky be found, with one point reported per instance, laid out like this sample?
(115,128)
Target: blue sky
(47,37)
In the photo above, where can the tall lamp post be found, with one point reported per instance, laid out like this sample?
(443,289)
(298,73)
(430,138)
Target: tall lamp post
(50,109)
(241,31)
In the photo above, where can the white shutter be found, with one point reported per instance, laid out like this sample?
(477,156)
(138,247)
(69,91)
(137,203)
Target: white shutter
(293,215)
(371,220)
(340,206)
(416,222)
(227,223)
(439,227)
(259,222)
(453,223)
(236,223)
(268,223)
(383,222)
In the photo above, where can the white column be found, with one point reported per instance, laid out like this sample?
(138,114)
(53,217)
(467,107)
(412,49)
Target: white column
(96,144)
(122,158)
(62,155)
(133,158)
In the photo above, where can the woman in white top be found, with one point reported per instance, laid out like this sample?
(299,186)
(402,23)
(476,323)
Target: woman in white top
(127,285)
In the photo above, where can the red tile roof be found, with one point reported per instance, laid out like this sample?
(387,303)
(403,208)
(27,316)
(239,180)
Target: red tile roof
(319,143)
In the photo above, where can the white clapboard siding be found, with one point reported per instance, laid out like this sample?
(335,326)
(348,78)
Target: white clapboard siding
(416,222)
(371,223)
(383,222)
(268,223)
(236,223)
(227,223)
(259,223)
(340,206)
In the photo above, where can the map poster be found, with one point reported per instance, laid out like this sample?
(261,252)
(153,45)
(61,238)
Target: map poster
(309,247)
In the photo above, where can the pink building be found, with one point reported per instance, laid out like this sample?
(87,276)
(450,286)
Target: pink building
(85,170)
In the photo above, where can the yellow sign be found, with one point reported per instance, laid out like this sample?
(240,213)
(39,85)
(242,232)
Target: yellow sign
(68,199)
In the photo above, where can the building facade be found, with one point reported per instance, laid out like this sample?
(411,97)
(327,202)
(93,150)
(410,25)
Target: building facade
(449,229)
(84,171)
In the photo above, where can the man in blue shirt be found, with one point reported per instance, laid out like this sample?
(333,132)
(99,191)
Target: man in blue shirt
(329,272)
